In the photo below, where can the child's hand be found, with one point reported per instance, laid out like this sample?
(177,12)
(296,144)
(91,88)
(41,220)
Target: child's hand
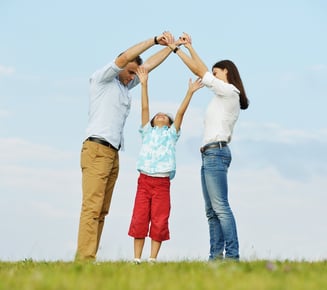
(142,74)
(194,86)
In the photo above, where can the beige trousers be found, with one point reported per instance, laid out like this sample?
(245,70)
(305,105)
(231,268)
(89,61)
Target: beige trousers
(100,167)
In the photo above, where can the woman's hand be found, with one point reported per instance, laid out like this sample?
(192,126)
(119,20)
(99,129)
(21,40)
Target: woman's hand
(185,39)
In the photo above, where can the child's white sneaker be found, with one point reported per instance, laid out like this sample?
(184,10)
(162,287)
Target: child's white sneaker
(137,261)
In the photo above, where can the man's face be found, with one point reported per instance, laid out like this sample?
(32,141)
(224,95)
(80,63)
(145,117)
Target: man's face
(128,73)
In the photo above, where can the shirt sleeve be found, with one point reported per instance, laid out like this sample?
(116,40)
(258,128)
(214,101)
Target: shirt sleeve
(145,128)
(174,132)
(218,86)
(107,73)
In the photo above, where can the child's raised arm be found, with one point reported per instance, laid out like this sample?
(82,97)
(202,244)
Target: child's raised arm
(143,74)
(192,87)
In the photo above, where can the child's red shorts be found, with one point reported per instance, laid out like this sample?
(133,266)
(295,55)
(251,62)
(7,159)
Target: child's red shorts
(151,208)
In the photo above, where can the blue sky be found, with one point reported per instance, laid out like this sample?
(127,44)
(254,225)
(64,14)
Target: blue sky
(277,177)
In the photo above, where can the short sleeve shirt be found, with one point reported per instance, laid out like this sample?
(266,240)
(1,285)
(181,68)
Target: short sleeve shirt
(158,150)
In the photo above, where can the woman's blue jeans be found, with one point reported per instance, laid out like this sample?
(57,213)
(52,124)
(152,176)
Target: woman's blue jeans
(222,225)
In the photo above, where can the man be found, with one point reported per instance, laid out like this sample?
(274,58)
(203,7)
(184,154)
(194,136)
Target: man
(109,107)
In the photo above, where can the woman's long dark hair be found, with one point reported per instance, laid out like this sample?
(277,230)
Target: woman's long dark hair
(233,77)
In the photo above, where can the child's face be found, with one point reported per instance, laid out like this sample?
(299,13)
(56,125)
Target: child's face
(161,119)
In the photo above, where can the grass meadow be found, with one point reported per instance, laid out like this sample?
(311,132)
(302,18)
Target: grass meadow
(186,275)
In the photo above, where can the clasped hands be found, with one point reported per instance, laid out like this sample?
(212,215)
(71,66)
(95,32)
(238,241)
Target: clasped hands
(166,38)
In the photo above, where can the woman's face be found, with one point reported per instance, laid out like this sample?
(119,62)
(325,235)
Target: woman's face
(220,73)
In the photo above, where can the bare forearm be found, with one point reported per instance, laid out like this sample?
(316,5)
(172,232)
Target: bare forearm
(196,58)
(153,61)
(145,105)
(194,63)
(182,109)
(132,52)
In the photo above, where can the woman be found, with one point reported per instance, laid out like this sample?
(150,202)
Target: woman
(221,116)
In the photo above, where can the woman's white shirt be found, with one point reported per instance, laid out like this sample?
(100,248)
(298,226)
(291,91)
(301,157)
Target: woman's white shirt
(222,111)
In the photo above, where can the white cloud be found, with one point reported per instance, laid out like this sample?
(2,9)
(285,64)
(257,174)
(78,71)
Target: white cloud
(40,179)
(50,211)
(276,133)
(4,113)
(278,216)
(318,67)
(6,70)
(14,150)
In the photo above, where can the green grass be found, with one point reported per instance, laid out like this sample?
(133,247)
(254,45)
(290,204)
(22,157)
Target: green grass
(186,275)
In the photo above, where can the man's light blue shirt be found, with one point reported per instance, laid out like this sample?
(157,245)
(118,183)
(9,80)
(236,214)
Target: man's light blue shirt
(110,105)
(158,150)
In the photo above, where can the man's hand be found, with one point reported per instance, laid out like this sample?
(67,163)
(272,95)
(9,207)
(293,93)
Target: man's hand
(165,38)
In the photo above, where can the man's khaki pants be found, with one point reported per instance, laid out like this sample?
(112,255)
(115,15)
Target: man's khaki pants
(100,167)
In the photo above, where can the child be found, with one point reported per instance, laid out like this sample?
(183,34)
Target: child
(157,165)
